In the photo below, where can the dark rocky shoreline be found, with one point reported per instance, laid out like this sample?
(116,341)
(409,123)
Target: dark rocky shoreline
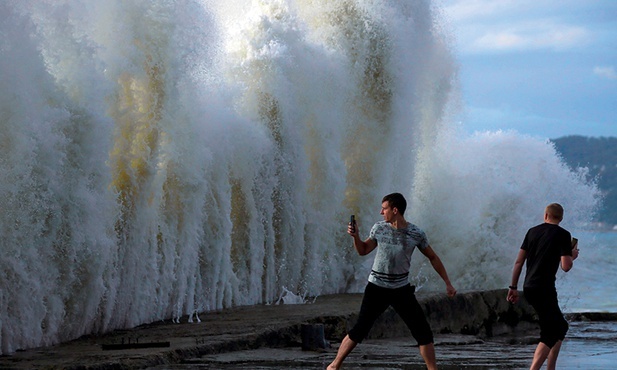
(481,314)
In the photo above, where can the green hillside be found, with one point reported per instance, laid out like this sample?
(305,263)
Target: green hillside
(599,155)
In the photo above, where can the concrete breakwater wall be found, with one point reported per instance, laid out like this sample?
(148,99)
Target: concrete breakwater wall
(480,313)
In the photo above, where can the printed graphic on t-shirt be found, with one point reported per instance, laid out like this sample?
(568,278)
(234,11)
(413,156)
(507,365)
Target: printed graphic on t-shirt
(394,250)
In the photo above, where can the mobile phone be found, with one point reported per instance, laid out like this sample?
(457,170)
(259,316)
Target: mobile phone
(574,243)
(352,222)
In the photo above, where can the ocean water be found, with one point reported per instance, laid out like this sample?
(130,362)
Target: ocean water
(591,285)
(164,158)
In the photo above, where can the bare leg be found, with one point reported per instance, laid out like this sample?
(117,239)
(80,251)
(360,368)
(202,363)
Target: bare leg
(347,345)
(428,354)
(542,351)
(552,356)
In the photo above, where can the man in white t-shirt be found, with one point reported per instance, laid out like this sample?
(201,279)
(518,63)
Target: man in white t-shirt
(388,284)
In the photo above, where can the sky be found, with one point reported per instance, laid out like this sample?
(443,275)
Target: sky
(544,68)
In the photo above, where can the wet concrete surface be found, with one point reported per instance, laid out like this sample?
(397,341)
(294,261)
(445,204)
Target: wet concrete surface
(475,330)
(589,346)
(228,330)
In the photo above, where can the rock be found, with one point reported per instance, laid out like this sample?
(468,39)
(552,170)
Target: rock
(313,337)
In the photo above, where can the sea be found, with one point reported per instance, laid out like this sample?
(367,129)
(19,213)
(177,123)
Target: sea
(591,285)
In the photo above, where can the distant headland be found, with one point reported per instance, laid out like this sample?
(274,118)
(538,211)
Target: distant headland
(599,156)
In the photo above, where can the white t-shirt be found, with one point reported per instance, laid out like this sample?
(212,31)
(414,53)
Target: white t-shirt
(394,249)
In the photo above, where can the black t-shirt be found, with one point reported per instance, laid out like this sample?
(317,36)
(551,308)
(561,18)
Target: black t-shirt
(545,244)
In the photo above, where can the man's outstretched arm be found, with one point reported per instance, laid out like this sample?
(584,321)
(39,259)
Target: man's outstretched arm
(439,268)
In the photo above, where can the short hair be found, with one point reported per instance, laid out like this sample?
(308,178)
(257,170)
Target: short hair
(396,200)
(555,210)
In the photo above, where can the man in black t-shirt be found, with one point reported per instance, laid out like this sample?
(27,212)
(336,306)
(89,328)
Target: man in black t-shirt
(545,247)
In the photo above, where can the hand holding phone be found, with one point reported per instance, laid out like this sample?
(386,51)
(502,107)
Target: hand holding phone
(574,243)
(352,224)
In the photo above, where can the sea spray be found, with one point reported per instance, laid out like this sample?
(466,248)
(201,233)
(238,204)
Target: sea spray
(476,197)
(166,158)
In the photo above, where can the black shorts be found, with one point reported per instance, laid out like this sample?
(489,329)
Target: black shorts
(377,299)
(553,326)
